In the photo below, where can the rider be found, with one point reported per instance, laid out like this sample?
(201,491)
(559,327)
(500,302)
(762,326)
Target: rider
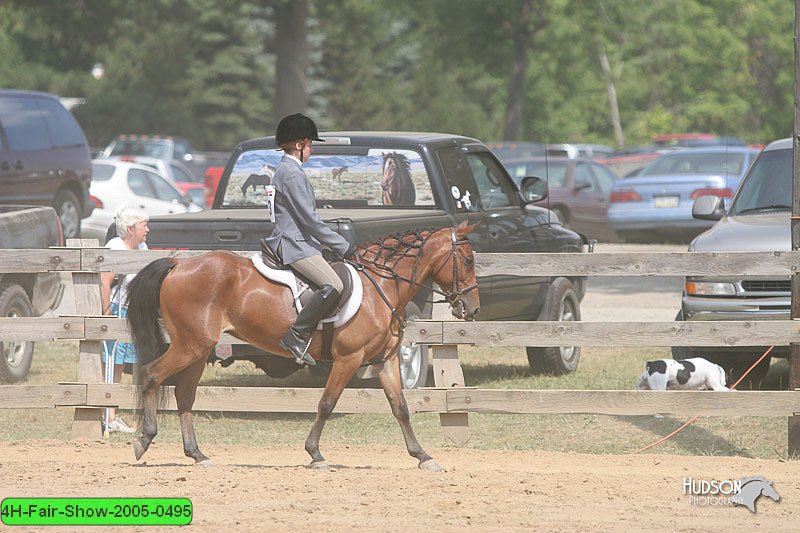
(299,233)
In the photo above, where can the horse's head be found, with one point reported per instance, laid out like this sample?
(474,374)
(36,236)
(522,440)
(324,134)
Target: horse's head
(454,270)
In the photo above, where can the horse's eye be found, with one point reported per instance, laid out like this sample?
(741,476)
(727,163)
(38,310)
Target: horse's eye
(469,261)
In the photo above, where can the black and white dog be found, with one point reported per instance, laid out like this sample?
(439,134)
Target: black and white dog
(689,374)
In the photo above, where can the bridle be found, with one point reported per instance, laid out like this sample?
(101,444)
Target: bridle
(452,297)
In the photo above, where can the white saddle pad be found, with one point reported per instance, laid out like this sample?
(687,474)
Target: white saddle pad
(287,277)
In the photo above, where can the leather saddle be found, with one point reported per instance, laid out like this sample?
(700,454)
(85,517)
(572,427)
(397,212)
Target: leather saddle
(273,261)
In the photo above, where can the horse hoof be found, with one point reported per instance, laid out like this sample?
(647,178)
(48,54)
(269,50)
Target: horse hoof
(205,463)
(138,448)
(320,465)
(431,466)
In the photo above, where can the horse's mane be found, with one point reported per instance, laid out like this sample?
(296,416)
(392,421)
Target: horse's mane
(404,163)
(385,253)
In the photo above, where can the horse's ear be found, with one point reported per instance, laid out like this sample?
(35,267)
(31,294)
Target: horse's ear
(463,229)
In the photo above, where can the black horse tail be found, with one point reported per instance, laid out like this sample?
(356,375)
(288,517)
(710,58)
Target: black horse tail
(143,310)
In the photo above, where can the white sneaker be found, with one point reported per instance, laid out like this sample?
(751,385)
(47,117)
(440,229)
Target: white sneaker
(119,424)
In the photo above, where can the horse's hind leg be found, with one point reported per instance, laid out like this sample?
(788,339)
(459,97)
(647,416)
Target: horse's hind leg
(185,391)
(389,376)
(342,372)
(149,423)
(151,377)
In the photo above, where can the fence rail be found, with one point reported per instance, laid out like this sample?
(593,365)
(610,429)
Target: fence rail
(450,399)
(423,400)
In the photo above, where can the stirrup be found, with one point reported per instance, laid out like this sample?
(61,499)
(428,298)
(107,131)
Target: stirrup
(306,359)
(300,357)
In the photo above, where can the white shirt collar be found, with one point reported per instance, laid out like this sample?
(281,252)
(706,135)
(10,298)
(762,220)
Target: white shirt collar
(290,156)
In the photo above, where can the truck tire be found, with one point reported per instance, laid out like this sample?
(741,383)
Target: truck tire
(413,357)
(69,212)
(682,352)
(17,356)
(276,366)
(561,304)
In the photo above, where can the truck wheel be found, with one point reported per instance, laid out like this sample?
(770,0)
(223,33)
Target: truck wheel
(17,356)
(561,305)
(413,358)
(276,366)
(682,352)
(69,212)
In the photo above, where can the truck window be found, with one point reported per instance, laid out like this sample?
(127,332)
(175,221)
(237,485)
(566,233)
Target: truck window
(476,180)
(459,179)
(768,184)
(23,124)
(379,178)
(495,189)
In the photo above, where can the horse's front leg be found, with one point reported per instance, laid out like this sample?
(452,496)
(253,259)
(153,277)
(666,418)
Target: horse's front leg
(389,376)
(342,372)
(185,391)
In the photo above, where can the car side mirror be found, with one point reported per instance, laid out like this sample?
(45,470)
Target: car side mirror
(533,189)
(708,207)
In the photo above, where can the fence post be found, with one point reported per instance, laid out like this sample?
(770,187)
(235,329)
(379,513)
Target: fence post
(87,422)
(794,373)
(447,372)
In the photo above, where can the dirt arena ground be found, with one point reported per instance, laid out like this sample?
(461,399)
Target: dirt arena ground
(380,488)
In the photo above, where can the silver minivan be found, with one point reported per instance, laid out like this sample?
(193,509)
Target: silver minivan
(758,220)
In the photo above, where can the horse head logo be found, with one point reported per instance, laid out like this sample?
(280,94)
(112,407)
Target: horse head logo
(752,489)
(396,183)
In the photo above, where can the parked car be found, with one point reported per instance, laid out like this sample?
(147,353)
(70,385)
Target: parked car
(579,191)
(672,141)
(591,151)
(118,183)
(44,157)
(507,150)
(150,146)
(656,204)
(758,220)
(176,172)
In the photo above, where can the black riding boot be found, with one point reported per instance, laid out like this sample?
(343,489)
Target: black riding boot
(298,337)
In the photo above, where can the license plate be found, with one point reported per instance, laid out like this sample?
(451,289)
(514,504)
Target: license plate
(667,201)
(223,351)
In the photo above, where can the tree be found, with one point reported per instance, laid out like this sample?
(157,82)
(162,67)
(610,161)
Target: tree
(291,55)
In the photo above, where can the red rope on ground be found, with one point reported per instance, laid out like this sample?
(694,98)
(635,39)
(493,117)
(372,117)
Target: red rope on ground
(732,387)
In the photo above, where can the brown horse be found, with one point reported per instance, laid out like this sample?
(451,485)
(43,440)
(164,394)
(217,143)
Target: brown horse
(398,189)
(203,297)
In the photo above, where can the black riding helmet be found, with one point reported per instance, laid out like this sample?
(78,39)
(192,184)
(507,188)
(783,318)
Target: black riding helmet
(297,126)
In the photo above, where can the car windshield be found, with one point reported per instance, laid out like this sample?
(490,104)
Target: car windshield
(720,163)
(371,177)
(147,148)
(768,185)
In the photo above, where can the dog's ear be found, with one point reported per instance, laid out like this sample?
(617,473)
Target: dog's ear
(657,367)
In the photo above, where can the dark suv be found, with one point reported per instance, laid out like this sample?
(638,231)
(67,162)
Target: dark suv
(44,157)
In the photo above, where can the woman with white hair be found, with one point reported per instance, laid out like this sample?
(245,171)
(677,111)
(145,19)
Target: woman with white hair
(131,223)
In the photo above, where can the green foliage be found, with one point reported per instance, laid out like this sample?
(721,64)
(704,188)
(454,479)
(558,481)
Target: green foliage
(205,69)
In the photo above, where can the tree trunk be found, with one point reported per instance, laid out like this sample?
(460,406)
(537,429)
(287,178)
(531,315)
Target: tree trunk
(612,99)
(520,37)
(292,58)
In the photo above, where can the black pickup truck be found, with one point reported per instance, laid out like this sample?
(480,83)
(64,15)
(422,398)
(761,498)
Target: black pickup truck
(26,294)
(372,184)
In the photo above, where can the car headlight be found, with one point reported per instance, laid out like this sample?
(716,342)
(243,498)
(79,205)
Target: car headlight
(708,288)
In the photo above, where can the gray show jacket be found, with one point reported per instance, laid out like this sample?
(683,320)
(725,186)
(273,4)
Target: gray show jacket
(299,231)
